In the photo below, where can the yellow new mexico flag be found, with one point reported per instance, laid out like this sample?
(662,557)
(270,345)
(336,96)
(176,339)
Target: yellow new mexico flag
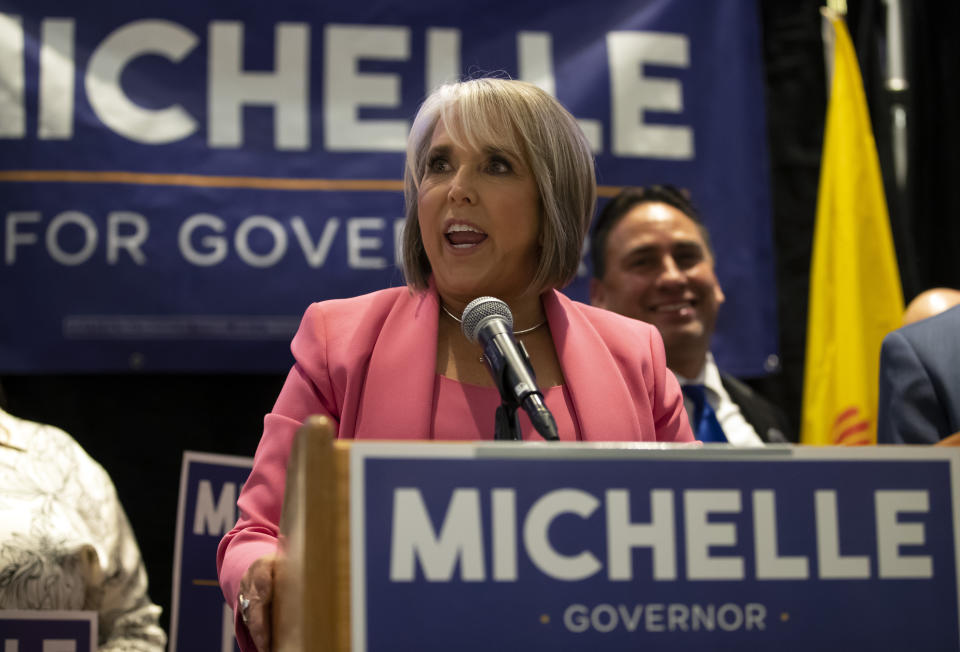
(855,295)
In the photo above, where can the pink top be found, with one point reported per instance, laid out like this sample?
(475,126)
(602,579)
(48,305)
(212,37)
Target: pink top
(369,363)
(452,400)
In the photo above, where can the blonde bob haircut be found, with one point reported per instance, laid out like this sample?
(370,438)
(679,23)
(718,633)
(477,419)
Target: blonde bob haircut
(520,118)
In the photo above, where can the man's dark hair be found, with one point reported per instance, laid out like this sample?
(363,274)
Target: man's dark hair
(624,202)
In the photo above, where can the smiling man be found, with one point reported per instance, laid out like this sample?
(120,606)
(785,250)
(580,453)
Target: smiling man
(652,261)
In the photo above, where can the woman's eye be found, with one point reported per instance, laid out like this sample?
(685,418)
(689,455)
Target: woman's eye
(438,164)
(498,165)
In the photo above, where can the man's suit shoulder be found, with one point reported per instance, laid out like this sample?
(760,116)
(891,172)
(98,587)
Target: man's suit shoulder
(919,398)
(931,334)
(767,419)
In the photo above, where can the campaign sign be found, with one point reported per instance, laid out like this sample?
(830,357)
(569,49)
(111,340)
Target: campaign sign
(200,620)
(179,180)
(48,631)
(571,548)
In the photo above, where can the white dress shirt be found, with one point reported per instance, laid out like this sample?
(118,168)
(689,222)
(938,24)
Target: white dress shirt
(735,427)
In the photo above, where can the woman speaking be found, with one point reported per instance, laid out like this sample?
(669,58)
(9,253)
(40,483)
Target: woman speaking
(500,190)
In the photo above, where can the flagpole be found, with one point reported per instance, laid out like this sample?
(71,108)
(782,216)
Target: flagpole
(897,85)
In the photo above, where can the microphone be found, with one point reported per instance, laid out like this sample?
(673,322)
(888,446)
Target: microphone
(487,321)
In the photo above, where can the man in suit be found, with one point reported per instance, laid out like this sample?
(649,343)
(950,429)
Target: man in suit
(920,381)
(652,261)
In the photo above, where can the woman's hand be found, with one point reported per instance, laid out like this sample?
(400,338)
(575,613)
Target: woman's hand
(255,601)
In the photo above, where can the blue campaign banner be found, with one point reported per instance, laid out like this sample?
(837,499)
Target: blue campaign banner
(180,181)
(200,621)
(564,548)
(48,631)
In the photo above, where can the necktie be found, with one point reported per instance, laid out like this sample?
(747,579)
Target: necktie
(706,428)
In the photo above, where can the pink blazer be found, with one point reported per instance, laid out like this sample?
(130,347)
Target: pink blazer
(369,363)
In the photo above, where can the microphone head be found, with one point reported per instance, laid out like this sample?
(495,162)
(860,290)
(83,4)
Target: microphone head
(480,310)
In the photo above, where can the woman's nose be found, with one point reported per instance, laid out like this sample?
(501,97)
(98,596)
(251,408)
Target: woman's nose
(462,188)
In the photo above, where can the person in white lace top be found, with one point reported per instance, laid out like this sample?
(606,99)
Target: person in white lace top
(65,541)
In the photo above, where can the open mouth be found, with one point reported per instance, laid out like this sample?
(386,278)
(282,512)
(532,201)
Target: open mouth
(464,236)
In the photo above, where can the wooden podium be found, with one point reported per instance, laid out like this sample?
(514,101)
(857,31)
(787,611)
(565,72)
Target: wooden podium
(312,591)
(615,547)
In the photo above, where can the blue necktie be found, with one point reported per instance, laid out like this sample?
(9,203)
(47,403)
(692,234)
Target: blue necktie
(706,428)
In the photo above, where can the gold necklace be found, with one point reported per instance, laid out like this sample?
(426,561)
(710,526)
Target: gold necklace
(520,332)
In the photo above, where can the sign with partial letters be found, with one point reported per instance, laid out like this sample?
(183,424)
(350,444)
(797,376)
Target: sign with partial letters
(200,619)
(48,631)
(573,547)
(180,181)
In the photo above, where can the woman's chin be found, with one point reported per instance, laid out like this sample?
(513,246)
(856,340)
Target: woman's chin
(469,281)
(466,288)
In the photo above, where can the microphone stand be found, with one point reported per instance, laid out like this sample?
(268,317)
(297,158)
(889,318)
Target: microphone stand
(507,427)
(509,364)
(506,421)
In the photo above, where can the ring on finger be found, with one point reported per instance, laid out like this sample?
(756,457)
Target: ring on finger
(244,604)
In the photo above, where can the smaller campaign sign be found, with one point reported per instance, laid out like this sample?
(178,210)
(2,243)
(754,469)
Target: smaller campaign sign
(617,548)
(200,620)
(48,631)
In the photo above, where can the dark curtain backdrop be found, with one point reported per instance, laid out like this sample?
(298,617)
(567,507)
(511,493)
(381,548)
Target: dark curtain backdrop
(138,426)
(934,200)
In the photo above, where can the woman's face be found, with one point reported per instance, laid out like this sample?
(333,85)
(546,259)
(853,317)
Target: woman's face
(480,220)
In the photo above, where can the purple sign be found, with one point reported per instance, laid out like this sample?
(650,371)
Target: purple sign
(572,548)
(200,620)
(180,180)
(48,631)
